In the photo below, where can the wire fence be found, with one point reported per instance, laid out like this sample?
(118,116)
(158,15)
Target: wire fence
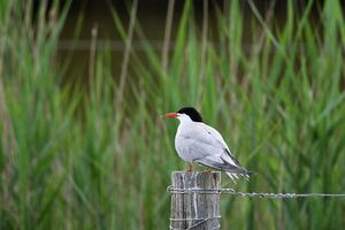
(268,195)
(190,211)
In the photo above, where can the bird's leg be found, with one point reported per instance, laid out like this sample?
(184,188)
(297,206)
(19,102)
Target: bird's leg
(208,170)
(190,167)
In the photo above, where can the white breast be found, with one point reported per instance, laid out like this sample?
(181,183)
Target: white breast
(183,143)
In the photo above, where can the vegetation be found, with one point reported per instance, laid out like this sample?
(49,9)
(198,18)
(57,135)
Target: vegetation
(101,158)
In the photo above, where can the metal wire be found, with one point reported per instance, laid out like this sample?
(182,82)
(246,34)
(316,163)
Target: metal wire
(233,192)
(200,221)
(193,219)
(268,195)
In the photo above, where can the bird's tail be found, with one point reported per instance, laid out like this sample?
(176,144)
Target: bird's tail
(240,172)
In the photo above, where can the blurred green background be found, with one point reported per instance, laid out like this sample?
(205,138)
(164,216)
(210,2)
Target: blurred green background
(83,85)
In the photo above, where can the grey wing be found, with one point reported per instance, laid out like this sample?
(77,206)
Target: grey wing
(211,156)
(212,137)
(221,157)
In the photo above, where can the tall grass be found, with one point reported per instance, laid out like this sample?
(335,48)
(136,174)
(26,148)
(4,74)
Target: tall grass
(76,159)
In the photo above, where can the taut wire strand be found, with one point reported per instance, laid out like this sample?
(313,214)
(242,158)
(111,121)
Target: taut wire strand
(269,195)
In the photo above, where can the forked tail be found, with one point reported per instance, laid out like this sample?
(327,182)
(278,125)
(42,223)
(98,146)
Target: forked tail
(240,172)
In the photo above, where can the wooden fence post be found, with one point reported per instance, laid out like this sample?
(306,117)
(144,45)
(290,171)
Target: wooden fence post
(195,210)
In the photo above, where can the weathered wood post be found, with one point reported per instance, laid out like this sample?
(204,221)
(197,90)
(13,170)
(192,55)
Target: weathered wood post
(195,209)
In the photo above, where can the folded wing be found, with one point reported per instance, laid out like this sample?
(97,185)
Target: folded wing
(209,148)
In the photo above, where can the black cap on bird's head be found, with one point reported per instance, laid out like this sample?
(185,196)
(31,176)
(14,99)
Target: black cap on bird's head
(192,113)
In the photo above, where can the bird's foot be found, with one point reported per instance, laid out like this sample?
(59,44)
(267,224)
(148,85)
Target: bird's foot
(208,171)
(190,167)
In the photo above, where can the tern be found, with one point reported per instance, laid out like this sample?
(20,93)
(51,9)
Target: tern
(198,142)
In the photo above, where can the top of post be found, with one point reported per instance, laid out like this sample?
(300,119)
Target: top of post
(195,179)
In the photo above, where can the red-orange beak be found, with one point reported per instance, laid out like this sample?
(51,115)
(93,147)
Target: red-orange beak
(170,115)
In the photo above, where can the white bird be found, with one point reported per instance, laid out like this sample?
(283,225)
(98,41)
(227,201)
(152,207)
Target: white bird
(197,142)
